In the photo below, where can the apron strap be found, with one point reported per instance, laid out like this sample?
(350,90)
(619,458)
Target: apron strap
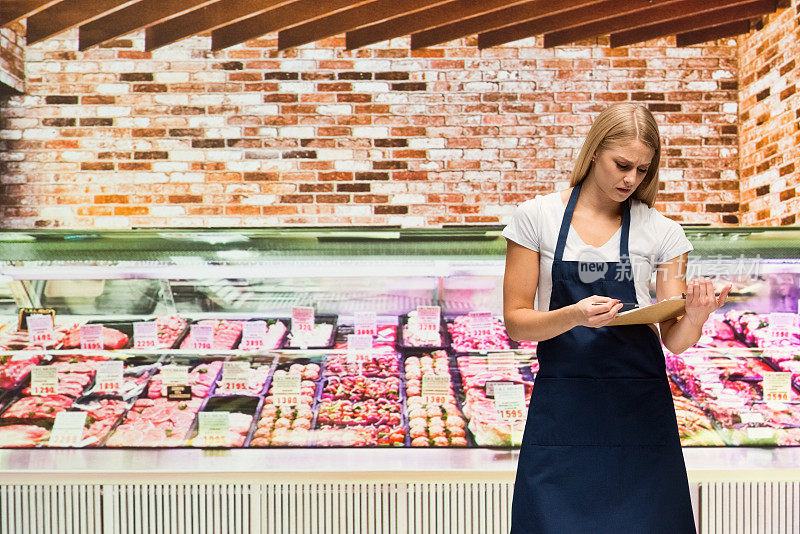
(567,220)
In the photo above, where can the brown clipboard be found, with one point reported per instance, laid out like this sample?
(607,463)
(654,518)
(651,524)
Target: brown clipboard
(655,313)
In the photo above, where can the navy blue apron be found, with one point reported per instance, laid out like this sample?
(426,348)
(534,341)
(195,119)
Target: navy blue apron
(601,451)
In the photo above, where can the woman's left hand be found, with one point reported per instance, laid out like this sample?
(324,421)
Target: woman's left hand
(701,300)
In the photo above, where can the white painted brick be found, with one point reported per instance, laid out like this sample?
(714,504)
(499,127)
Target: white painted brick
(172,99)
(334,109)
(113,88)
(371,65)
(245,99)
(81,66)
(133,122)
(208,76)
(248,188)
(113,111)
(172,53)
(406,221)
(700,85)
(111,222)
(352,211)
(171,77)
(119,66)
(730,107)
(223,155)
(448,153)
(259,200)
(722,74)
(170,166)
(334,154)
(40,133)
(370,131)
(420,143)
(206,99)
(351,165)
(390,97)
(245,166)
(500,142)
(296,131)
(262,109)
(407,199)
(223,133)
(203,121)
(480,87)
(483,175)
(150,178)
(297,87)
(389,188)
(187,177)
(480,154)
(223,221)
(360,86)
(167,211)
(431,166)
(316,53)
(298,65)
(187,155)
(22,123)
(55,212)
(11,134)
(75,155)
(268,132)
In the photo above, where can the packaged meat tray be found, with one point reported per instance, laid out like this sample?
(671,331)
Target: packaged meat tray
(12,339)
(385,336)
(116,335)
(259,373)
(226,334)
(15,368)
(384,362)
(411,338)
(136,373)
(322,337)
(103,412)
(25,409)
(276,333)
(241,411)
(288,426)
(694,426)
(169,329)
(203,374)
(156,423)
(22,435)
(463,338)
(75,374)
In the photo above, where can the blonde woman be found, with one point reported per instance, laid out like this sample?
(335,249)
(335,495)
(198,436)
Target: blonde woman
(601,451)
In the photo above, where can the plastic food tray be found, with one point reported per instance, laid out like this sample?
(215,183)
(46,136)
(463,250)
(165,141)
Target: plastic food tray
(449,319)
(409,349)
(318,319)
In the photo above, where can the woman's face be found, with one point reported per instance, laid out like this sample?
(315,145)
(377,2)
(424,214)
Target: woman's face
(619,170)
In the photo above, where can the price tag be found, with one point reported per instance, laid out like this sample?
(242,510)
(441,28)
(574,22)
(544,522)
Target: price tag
(254,335)
(213,428)
(481,323)
(145,335)
(234,376)
(501,361)
(176,379)
(509,400)
(776,386)
(24,313)
(67,429)
(202,336)
(92,337)
(44,380)
(286,390)
(435,389)
(429,318)
(760,432)
(40,329)
(302,320)
(751,417)
(783,319)
(359,348)
(109,377)
(365,323)
(490,385)
(708,329)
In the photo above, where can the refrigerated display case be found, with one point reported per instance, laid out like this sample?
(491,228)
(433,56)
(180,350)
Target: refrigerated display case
(363,417)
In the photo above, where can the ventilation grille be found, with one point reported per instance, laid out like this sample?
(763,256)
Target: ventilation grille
(750,508)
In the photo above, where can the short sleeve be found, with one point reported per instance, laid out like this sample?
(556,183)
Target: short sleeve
(674,243)
(525,224)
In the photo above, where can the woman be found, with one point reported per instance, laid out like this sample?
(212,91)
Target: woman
(601,451)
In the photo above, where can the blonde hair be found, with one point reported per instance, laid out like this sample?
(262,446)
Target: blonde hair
(620,122)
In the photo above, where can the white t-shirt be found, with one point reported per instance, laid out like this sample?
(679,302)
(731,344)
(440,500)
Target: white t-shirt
(653,239)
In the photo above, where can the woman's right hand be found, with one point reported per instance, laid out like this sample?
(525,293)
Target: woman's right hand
(596,311)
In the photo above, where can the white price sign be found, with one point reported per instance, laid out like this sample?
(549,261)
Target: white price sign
(67,429)
(202,336)
(501,361)
(760,433)
(435,388)
(359,347)
(234,376)
(302,320)
(286,390)
(175,375)
(480,323)
(44,380)
(109,376)
(365,323)
(145,335)
(751,417)
(429,318)
(92,337)
(40,329)
(783,319)
(254,335)
(509,400)
(213,428)
(776,386)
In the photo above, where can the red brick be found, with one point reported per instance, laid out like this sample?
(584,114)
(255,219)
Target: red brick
(111,199)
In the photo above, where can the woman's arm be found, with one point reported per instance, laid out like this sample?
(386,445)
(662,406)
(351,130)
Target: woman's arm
(519,290)
(684,331)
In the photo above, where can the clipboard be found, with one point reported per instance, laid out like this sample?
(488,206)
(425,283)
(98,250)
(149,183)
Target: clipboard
(655,313)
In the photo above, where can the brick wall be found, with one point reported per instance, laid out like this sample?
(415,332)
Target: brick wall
(769,120)
(118,137)
(12,59)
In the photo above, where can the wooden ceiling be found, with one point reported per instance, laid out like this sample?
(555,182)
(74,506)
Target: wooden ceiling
(365,22)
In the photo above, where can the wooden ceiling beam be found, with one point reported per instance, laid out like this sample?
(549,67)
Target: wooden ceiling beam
(14,10)
(494,20)
(145,13)
(68,14)
(597,13)
(278,19)
(712,33)
(423,20)
(657,13)
(692,22)
(211,17)
(351,19)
